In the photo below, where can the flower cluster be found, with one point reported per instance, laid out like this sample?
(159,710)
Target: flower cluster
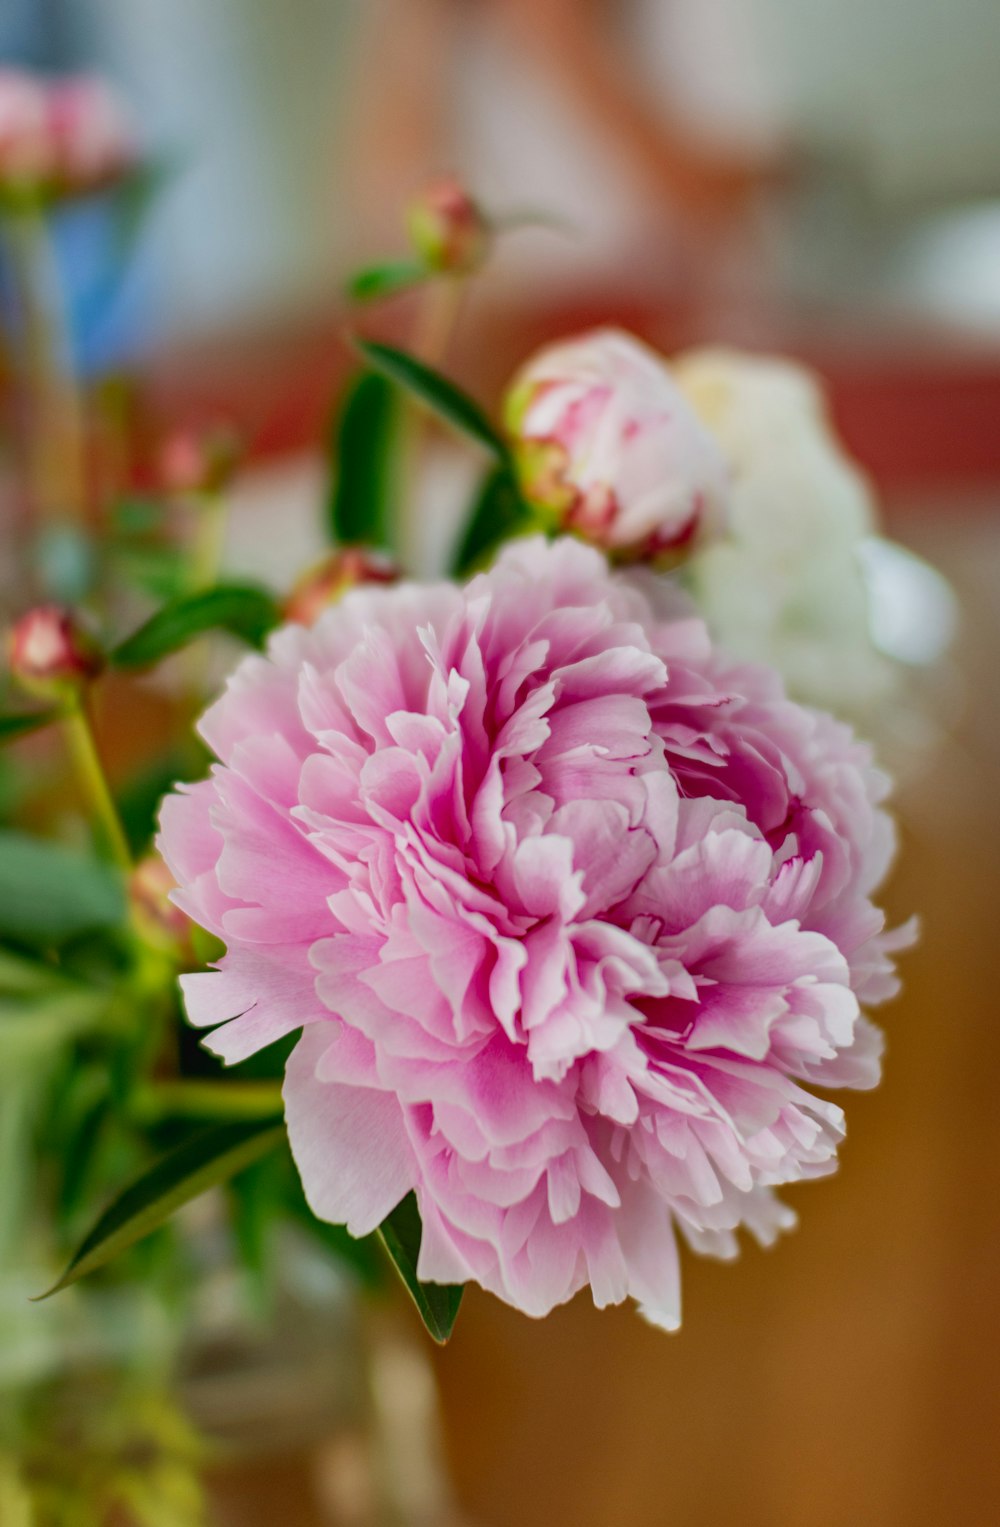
(61,137)
(574,911)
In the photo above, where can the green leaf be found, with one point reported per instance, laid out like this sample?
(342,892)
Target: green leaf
(209,1158)
(437,1303)
(242,609)
(498,513)
(436,393)
(49,893)
(135,197)
(359,506)
(385,280)
(18,724)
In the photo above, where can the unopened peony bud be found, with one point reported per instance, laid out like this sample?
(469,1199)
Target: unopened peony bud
(608,446)
(25,139)
(448,230)
(92,137)
(51,654)
(195,462)
(329,580)
(161,923)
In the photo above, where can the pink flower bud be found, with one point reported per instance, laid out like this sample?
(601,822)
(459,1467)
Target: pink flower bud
(25,140)
(93,140)
(330,579)
(607,444)
(163,924)
(447,229)
(51,654)
(194,462)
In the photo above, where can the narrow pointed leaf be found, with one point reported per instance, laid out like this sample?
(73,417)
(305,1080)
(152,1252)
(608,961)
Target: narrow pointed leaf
(209,1158)
(437,1303)
(20,723)
(498,513)
(50,893)
(385,280)
(436,393)
(359,507)
(241,609)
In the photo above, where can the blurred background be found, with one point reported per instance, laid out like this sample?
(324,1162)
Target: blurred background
(820,177)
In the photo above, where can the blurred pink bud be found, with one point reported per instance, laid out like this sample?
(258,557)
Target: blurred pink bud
(609,448)
(93,138)
(447,229)
(194,462)
(51,653)
(150,886)
(329,580)
(25,140)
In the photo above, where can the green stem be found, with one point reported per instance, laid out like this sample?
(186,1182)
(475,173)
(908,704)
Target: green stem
(54,423)
(207,1100)
(209,540)
(436,320)
(93,782)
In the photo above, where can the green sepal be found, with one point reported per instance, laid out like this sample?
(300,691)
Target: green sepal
(386,279)
(437,1303)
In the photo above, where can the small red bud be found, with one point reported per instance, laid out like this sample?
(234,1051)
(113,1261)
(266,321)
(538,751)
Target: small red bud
(329,580)
(51,653)
(193,462)
(448,230)
(150,885)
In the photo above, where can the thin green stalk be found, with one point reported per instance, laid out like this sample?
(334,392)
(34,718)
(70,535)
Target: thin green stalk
(434,328)
(155,1101)
(209,540)
(93,782)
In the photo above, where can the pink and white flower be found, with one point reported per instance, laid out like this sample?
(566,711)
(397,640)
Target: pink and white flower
(573,911)
(25,146)
(63,136)
(93,138)
(606,442)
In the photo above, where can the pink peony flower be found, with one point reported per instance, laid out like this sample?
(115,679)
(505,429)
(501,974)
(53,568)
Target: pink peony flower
(573,911)
(606,442)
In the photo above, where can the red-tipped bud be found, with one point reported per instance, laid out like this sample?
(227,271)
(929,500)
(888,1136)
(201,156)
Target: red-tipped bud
(51,654)
(25,141)
(330,580)
(448,230)
(194,463)
(160,922)
(61,138)
(93,139)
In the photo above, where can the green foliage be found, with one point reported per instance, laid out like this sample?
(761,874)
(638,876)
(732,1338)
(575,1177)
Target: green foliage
(385,280)
(49,893)
(436,393)
(241,609)
(16,724)
(211,1157)
(359,505)
(498,513)
(437,1303)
